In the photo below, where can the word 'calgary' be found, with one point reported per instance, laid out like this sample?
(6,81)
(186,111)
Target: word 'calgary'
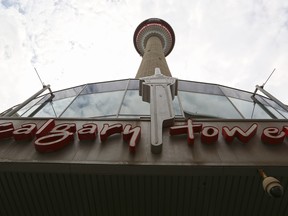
(51,137)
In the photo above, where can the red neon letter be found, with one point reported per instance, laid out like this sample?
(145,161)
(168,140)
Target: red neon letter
(6,130)
(70,127)
(53,142)
(132,135)
(26,132)
(239,133)
(188,129)
(272,136)
(209,134)
(88,132)
(45,128)
(285,129)
(60,136)
(109,130)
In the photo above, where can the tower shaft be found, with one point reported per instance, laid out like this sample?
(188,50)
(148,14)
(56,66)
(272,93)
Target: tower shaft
(153,57)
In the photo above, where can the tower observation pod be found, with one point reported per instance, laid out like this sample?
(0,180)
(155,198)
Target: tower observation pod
(153,39)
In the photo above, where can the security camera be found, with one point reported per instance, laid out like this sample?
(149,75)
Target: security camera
(271,185)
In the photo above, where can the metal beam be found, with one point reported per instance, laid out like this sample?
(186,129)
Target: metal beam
(12,112)
(260,88)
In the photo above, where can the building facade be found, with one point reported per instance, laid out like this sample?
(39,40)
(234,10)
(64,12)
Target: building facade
(153,145)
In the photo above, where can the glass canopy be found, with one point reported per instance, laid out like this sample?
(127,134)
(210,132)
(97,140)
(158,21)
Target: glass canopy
(120,99)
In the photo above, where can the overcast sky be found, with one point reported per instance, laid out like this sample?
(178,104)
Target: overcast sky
(72,42)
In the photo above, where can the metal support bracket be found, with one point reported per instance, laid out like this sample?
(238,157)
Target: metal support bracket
(159,90)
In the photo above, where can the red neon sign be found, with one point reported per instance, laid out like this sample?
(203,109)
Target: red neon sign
(273,135)
(209,134)
(188,129)
(88,132)
(51,137)
(243,136)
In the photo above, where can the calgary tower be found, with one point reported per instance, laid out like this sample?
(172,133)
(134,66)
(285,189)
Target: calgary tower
(153,39)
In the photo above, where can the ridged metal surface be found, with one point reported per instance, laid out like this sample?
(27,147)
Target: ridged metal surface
(94,194)
(95,178)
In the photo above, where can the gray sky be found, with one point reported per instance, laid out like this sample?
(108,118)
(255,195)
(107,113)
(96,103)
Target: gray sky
(72,42)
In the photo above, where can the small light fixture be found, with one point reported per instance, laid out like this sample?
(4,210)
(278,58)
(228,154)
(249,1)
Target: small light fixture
(271,185)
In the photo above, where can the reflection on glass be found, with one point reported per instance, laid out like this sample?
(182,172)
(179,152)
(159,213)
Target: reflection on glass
(280,110)
(207,105)
(133,84)
(274,112)
(54,108)
(133,104)
(270,107)
(93,105)
(236,93)
(250,110)
(27,111)
(199,87)
(176,106)
(32,109)
(68,92)
(46,110)
(105,87)
(198,99)
(284,113)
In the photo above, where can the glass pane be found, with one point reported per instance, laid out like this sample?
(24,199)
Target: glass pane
(274,112)
(54,108)
(133,84)
(273,104)
(235,93)
(93,105)
(197,104)
(133,104)
(259,113)
(176,106)
(199,87)
(261,100)
(105,87)
(284,113)
(26,111)
(36,103)
(250,110)
(67,93)
(29,105)
(9,110)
